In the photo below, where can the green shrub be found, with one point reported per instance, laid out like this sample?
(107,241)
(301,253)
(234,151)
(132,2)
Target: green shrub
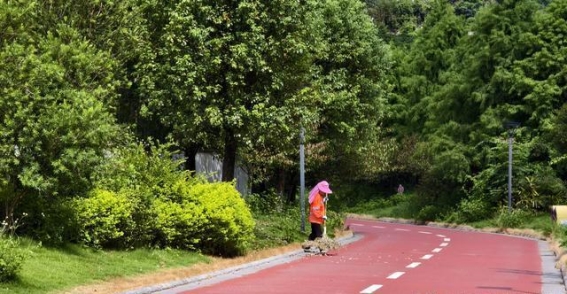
(178,225)
(470,210)
(228,226)
(11,258)
(370,206)
(104,219)
(265,203)
(560,233)
(335,220)
(510,219)
(399,198)
(146,175)
(427,213)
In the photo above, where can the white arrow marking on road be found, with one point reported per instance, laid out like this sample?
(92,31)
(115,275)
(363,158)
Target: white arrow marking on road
(371,289)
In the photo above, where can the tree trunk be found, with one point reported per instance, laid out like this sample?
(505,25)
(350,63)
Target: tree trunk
(281,183)
(229,158)
(190,154)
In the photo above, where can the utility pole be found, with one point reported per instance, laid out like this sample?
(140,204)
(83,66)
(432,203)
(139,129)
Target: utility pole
(302,176)
(511,126)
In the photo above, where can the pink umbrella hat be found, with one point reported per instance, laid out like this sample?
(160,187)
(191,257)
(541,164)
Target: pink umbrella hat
(322,186)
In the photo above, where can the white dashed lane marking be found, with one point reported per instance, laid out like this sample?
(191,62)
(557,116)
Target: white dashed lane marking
(371,289)
(395,275)
(427,256)
(413,265)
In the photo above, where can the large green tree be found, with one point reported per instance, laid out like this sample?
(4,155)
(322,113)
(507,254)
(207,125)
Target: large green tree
(56,89)
(225,75)
(350,82)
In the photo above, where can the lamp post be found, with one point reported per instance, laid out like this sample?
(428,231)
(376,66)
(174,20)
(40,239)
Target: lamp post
(511,126)
(302,176)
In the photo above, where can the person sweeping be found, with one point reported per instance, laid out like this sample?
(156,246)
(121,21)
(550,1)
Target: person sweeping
(317,213)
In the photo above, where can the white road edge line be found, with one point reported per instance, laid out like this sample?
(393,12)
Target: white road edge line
(427,256)
(441,236)
(360,225)
(405,230)
(378,227)
(437,250)
(447,239)
(422,232)
(371,289)
(395,275)
(444,244)
(413,265)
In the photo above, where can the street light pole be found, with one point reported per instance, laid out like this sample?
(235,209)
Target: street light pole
(302,176)
(511,128)
(510,138)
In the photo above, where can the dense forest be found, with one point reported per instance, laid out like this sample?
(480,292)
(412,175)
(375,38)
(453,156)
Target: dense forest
(97,96)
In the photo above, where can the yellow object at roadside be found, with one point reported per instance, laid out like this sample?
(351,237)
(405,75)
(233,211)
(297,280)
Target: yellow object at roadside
(559,214)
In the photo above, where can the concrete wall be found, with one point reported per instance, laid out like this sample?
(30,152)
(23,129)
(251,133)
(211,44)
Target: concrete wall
(211,166)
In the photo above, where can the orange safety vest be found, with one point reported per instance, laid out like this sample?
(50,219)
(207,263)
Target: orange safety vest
(317,209)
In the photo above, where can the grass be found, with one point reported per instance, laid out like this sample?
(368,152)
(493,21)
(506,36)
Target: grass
(399,207)
(55,269)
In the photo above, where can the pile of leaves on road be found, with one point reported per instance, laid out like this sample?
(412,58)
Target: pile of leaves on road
(322,244)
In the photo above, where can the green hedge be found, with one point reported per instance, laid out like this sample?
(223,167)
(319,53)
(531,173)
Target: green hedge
(104,218)
(195,215)
(229,224)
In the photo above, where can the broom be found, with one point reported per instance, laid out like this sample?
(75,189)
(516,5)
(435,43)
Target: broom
(325,243)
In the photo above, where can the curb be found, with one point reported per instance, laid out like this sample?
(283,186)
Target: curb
(553,276)
(230,273)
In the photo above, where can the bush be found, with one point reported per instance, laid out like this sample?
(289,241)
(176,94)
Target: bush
(510,219)
(427,213)
(267,203)
(228,226)
(104,219)
(11,258)
(178,225)
(470,210)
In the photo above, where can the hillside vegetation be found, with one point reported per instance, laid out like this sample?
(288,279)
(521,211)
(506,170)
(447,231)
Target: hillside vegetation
(105,104)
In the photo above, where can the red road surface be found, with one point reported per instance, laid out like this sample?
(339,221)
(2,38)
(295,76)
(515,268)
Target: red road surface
(398,258)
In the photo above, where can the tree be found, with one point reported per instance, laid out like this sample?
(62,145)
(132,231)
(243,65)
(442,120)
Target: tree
(349,77)
(432,53)
(54,110)
(229,70)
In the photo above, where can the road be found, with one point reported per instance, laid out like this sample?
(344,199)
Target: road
(401,258)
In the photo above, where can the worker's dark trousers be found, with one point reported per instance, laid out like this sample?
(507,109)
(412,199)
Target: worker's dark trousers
(316,231)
